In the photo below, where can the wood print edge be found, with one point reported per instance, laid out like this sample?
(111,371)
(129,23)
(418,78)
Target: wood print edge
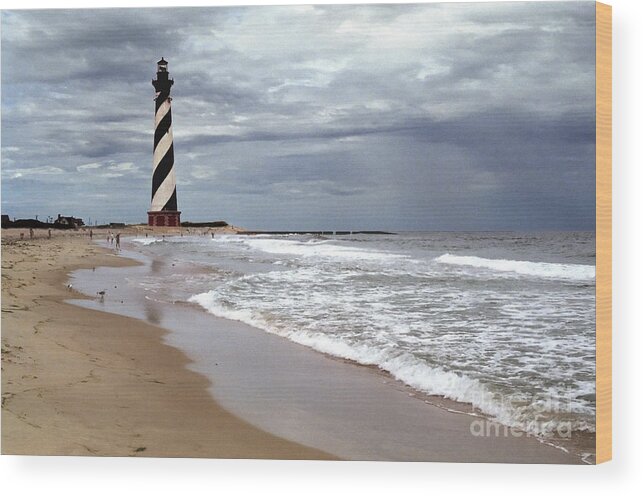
(603,232)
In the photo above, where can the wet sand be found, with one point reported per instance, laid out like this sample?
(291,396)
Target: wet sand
(83,382)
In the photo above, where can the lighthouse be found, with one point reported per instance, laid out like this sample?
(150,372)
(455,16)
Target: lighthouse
(164,211)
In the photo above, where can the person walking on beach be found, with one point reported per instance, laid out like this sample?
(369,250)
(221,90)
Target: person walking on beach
(118,241)
(91,234)
(30,233)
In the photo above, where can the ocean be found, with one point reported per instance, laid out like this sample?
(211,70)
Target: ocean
(504,322)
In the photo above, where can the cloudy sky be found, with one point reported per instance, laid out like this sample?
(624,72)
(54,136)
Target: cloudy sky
(429,116)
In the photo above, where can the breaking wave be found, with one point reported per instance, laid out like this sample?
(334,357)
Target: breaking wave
(316,248)
(573,272)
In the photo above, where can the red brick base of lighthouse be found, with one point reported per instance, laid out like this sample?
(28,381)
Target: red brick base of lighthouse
(164,218)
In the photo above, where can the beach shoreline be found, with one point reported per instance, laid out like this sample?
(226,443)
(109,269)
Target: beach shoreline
(261,439)
(223,350)
(81,382)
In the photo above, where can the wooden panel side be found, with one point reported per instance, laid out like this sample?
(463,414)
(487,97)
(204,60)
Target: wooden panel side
(603,232)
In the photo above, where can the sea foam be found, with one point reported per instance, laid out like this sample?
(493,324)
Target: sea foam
(575,272)
(317,248)
(145,241)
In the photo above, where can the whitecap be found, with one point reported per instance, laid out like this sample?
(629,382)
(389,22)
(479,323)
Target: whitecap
(575,272)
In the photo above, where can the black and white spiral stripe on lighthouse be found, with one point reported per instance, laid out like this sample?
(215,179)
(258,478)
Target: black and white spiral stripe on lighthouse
(164,211)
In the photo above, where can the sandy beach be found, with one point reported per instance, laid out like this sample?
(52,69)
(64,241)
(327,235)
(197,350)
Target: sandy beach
(81,382)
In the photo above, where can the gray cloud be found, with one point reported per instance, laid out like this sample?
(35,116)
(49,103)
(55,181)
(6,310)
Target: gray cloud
(436,116)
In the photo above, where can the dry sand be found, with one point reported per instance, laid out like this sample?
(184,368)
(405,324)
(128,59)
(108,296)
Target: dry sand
(82,382)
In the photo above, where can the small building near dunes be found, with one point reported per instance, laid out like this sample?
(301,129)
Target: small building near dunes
(63,222)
